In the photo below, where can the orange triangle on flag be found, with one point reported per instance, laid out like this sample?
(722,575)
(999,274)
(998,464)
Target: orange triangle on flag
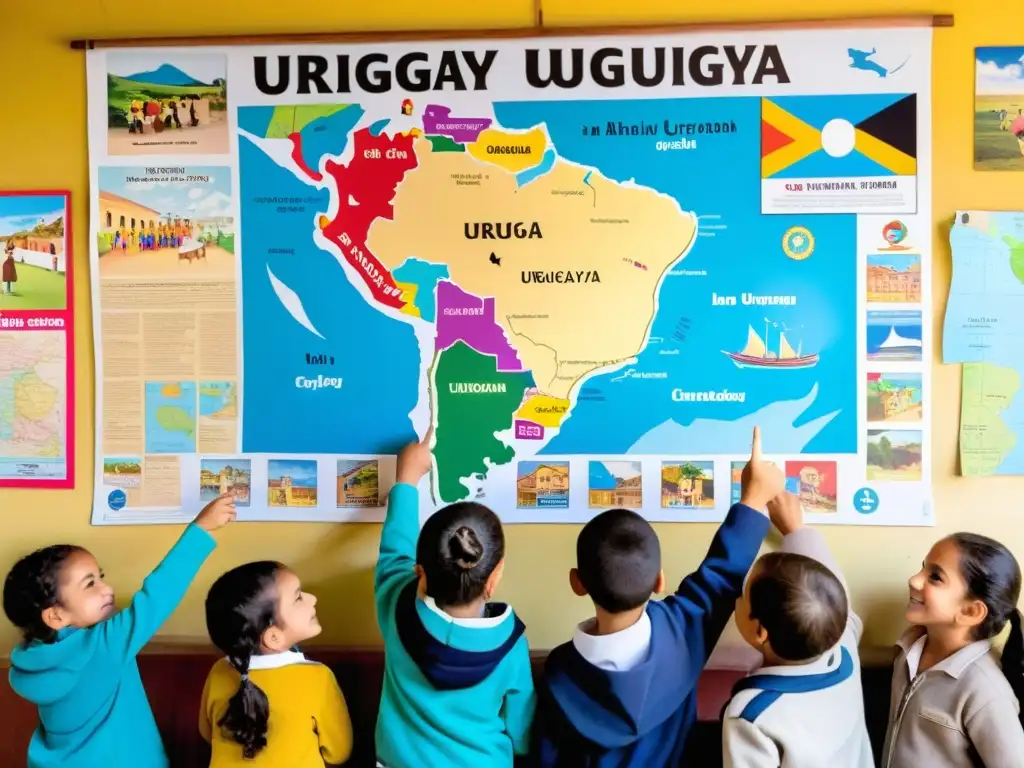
(772,138)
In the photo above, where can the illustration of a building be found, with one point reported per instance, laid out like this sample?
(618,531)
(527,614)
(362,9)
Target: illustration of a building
(281,493)
(686,492)
(117,212)
(545,484)
(228,480)
(888,284)
(627,493)
(358,485)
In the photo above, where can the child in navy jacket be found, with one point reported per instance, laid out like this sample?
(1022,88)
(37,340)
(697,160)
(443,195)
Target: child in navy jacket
(623,692)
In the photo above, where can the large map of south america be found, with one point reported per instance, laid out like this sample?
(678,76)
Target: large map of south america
(515,254)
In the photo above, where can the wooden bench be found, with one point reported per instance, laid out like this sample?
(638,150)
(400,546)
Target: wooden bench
(174,675)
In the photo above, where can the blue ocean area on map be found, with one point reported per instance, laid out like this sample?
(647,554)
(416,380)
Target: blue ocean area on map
(170,417)
(215,396)
(719,178)
(322,136)
(376,358)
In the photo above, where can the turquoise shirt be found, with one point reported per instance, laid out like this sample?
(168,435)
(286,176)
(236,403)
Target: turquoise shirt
(93,710)
(431,711)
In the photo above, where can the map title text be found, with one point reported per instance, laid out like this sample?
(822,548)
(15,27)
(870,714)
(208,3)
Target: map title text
(468,70)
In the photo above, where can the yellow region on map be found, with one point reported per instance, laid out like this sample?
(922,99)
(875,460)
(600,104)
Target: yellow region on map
(544,410)
(581,256)
(985,439)
(511,151)
(409,291)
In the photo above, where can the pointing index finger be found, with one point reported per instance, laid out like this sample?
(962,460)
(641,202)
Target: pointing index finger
(755,447)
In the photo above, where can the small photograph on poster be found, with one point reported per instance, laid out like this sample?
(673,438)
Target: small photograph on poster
(615,484)
(166,103)
(34,417)
(32,251)
(895,397)
(122,472)
(894,278)
(220,476)
(689,485)
(814,482)
(542,484)
(358,483)
(894,455)
(736,481)
(158,223)
(291,483)
(895,336)
(999,108)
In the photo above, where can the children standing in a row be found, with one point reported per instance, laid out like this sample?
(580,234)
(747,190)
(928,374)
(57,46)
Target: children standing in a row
(458,689)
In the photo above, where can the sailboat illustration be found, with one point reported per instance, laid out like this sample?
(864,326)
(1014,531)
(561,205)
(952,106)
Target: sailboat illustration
(756,355)
(896,347)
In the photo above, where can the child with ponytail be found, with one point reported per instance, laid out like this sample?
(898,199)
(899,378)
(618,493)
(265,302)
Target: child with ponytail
(458,689)
(951,706)
(265,704)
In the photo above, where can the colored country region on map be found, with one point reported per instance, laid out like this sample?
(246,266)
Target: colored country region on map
(314,130)
(408,296)
(33,395)
(984,320)
(365,188)
(34,399)
(512,151)
(473,401)
(170,417)
(544,410)
(445,144)
(439,120)
(839,136)
(424,277)
(508,242)
(468,318)
(991,395)
(218,400)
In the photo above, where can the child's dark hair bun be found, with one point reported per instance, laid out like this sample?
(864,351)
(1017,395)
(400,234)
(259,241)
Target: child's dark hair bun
(464,548)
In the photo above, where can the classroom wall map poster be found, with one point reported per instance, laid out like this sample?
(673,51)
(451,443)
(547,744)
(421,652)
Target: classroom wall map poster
(37,360)
(594,264)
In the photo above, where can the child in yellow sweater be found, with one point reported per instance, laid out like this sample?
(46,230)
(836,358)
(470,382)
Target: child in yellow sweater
(266,704)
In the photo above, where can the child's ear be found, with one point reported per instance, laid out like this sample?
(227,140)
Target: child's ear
(577,585)
(421,588)
(54,618)
(659,585)
(494,579)
(971,613)
(273,639)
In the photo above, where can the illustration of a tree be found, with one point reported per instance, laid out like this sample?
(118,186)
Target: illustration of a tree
(691,473)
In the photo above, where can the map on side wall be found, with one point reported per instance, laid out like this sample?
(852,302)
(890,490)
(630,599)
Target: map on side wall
(984,330)
(577,283)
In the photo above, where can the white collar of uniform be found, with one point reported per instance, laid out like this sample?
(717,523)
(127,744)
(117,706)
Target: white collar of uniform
(483,622)
(276,660)
(617,652)
(829,661)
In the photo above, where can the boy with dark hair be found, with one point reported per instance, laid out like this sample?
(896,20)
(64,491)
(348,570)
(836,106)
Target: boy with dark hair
(795,610)
(623,692)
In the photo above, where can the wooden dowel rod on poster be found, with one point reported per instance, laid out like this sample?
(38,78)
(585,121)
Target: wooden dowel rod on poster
(537,30)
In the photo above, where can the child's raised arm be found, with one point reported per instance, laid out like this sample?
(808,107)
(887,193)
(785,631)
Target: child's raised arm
(397,557)
(705,599)
(125,633)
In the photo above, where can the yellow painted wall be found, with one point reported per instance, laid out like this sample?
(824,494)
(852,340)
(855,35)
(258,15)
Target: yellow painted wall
(42,144)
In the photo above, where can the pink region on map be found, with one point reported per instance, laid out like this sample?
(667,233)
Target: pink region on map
(438,120)
(464,317)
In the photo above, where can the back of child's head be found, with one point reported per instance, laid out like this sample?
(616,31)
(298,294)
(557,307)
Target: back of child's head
(799,602)
(992,575)
(458,549)
(32,586)
(240,607)
(618,560)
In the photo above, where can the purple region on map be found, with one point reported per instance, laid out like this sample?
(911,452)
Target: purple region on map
(464,317)
(438,120)
(527,430)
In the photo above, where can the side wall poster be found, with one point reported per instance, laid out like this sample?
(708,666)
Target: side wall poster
(593,263)
(37,362)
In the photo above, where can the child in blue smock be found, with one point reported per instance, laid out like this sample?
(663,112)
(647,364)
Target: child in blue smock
(77,662)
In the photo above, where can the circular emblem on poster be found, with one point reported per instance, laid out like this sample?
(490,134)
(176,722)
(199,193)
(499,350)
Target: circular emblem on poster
(798,243)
